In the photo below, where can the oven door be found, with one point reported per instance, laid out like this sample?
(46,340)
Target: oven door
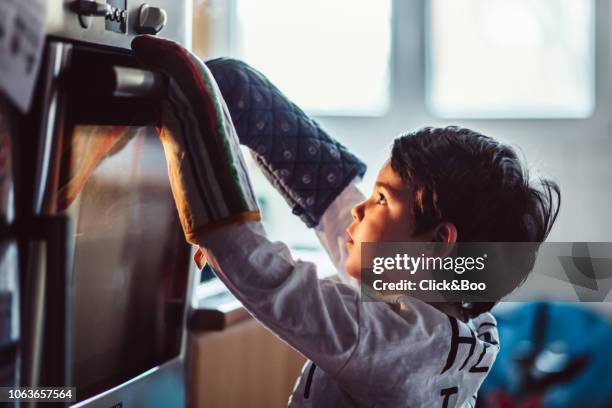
(116,294)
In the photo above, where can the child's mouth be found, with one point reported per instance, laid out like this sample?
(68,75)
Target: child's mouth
(349,242)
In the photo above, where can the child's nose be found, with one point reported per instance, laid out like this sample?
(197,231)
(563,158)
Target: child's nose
(357,211)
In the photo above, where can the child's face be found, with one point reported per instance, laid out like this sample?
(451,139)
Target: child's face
(384,217)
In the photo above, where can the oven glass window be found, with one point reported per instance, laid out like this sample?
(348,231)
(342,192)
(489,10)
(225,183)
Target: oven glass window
(9,293)
(130,257)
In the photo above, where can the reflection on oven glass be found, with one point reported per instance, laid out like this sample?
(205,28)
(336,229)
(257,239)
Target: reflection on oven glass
(9,293)
(130,258)
(6,175)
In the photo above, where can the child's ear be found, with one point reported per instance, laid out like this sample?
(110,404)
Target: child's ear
(444,238)
(446,232)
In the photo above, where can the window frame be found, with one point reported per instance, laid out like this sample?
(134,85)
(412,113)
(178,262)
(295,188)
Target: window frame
(410,60)
(409,103)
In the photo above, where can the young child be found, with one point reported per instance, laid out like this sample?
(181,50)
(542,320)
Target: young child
(440,184)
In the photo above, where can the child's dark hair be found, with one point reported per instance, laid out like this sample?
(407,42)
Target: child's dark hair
(478,184)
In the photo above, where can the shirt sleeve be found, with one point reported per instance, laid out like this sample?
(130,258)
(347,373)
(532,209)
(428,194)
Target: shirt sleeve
(319,318)
(331,230)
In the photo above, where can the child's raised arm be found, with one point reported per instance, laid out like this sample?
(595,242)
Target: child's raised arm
(318,318)
(312,171)
(331,230)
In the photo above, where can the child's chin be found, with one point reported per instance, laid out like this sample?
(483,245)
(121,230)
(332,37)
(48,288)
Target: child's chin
(353,272)
(352,266)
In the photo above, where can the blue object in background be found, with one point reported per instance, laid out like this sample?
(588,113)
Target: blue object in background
(561,352)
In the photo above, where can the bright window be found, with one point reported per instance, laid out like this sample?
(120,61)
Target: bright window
(330,56)
(511,58)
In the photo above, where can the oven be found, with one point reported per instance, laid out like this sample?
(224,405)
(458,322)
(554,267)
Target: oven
(107,274)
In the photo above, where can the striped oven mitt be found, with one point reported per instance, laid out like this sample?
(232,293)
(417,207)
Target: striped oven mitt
(208,177)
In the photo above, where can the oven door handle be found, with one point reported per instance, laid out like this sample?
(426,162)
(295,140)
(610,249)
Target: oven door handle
(113,94)
(115,81)
(134,82)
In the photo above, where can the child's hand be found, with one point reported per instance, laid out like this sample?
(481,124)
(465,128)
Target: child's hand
(207,174)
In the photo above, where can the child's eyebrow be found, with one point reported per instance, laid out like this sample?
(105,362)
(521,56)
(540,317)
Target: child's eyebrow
(393,191)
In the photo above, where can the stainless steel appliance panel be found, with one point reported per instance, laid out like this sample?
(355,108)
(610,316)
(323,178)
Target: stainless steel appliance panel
(64,23)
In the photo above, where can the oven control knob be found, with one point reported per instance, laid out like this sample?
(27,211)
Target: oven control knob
(89,8)
(151,19)
(86,9)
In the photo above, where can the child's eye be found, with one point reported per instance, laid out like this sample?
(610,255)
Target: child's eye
(381,199)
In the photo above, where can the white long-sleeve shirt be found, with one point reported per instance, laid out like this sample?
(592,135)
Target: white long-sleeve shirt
(362,353)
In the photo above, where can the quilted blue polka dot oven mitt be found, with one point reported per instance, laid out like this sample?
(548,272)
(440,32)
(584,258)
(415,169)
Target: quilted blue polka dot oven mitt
(308,167)
(208,176)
